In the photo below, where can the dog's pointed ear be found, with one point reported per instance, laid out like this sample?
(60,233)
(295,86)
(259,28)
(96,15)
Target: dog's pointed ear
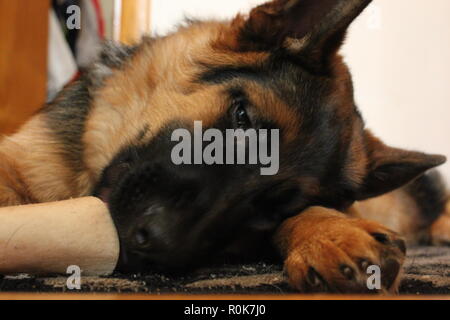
(310,29)
(391,168)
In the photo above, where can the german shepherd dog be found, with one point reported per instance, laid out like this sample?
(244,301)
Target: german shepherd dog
(109,135)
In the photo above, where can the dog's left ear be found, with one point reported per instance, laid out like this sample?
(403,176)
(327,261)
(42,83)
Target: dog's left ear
(311,30)
(391,168)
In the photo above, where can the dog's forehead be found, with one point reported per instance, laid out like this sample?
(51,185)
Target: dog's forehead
(282,89)
(190,70)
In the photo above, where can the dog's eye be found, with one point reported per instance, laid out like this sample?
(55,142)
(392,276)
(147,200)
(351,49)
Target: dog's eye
(241,117)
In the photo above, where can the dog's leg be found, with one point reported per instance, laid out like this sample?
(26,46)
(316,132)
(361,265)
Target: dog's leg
(33,168)
(417,210)
(440,229)
(13,189)
(327,251)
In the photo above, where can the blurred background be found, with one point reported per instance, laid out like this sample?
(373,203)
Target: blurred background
(398,51)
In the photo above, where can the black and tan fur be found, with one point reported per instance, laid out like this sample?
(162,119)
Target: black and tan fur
(108,134)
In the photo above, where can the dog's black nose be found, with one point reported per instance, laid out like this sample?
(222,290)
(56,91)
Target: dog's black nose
(152,231)
(145,239)
(142,237)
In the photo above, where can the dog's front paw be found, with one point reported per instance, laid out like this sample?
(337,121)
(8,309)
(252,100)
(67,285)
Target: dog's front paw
(327,251)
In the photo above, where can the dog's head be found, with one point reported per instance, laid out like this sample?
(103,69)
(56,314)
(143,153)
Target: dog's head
(278,68)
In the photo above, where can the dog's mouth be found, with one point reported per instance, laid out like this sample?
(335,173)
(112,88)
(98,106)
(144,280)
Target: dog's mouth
(129,260)
(133,196)
(104,194)
(111,177)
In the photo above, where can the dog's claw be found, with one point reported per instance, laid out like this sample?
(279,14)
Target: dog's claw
(347,272)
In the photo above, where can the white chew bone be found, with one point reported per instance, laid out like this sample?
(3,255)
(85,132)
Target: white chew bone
(48,238)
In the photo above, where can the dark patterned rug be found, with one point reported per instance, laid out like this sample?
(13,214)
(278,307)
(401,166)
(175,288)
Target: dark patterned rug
(427,271)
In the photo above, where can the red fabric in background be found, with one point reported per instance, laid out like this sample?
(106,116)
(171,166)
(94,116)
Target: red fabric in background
(100,18)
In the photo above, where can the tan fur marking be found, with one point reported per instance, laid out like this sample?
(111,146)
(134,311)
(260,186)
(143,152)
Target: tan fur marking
(41,172)
(272,108)
(440,230)
(13,190)
(395,210)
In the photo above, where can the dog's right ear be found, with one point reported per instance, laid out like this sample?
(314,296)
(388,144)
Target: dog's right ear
(311,30)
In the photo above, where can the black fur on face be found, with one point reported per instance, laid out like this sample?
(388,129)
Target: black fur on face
(172,217)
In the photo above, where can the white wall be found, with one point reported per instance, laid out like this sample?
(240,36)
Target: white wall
(399,53)
(167,13)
